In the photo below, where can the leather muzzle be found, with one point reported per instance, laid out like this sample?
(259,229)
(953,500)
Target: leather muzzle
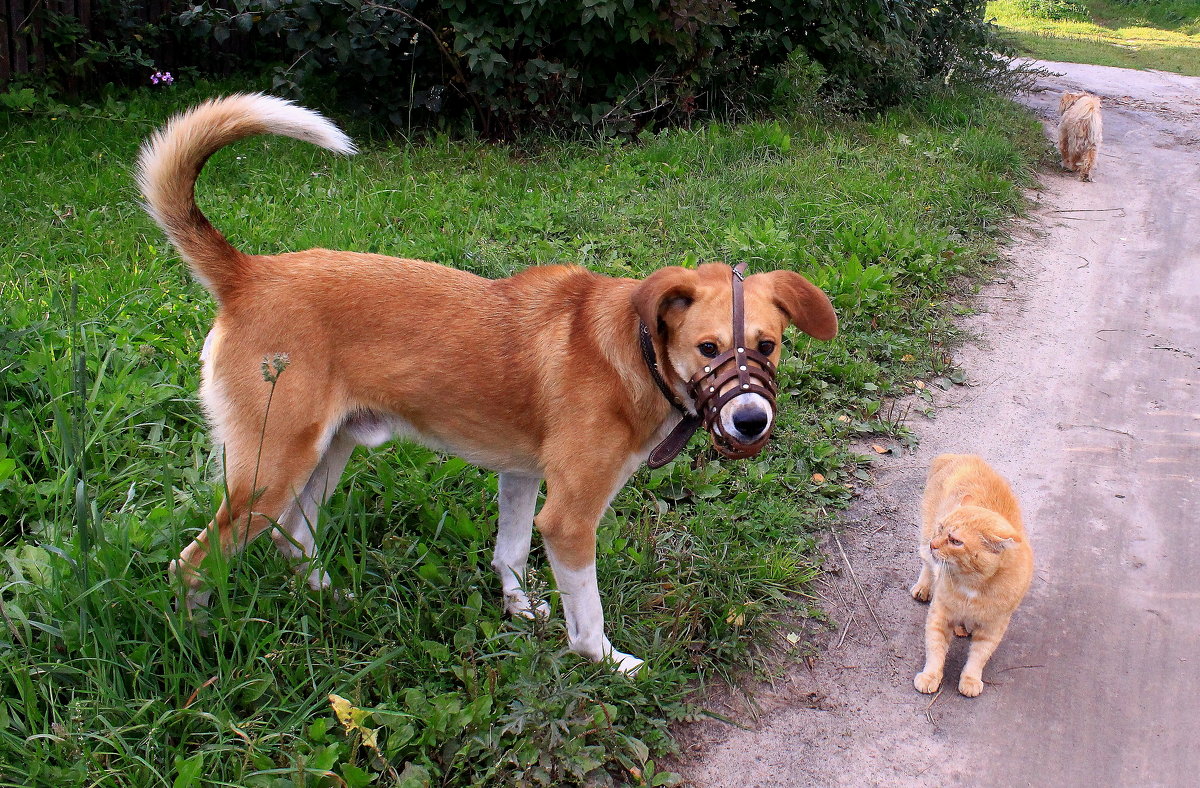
(737,372)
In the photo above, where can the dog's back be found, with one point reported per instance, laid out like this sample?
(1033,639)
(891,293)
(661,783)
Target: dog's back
(1080,132)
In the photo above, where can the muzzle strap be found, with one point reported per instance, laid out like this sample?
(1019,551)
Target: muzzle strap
(675,441)
(678,438)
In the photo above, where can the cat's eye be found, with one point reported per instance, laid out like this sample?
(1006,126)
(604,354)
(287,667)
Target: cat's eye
(707,349)
(766,347)
(953,541)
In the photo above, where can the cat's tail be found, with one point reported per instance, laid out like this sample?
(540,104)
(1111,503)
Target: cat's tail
(170,162)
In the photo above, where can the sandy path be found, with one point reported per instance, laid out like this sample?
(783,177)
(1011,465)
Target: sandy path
(1084,393)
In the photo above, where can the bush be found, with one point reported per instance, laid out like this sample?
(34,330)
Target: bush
(608,66)
(796,83)
(119,44)
(1055,9)
(505,67)
(601,64)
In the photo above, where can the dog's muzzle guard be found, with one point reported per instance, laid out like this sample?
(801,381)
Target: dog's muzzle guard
(739,371)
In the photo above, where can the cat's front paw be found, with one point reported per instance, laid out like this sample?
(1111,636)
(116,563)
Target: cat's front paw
(927,682)
(920,591)
(970,686)
(960,631)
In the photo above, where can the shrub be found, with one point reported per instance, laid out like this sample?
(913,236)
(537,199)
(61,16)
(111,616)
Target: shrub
(608,66)
(601,64)
(508,66)
(795,84)
(119,44)
(1055,9)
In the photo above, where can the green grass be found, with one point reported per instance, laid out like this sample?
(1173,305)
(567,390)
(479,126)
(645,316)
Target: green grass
(106,470)
(1162,35)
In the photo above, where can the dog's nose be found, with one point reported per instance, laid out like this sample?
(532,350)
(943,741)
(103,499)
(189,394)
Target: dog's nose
(750,423)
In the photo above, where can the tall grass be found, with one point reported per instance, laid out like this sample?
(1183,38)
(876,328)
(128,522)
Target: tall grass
(106,470)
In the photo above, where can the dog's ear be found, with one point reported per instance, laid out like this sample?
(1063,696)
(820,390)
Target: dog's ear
(805,305)
(1067,100)
(663,294)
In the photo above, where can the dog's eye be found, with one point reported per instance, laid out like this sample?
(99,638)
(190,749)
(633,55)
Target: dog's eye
(766,347)
(707,349)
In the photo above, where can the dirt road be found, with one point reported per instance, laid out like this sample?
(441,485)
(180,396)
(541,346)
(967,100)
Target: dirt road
(1085,393)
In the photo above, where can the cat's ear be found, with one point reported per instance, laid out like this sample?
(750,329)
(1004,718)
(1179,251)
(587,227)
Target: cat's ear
(967,500)
(997,545)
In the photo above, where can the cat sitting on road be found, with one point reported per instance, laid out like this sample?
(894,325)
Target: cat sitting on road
(977,565)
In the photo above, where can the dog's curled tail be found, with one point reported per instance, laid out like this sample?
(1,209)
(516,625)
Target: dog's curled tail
(170,161)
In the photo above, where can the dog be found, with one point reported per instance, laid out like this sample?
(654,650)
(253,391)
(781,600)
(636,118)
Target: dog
(540,376)
(1080,132)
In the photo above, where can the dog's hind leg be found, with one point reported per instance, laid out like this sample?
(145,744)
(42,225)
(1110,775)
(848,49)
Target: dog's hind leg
(518,498)
(1088,161)
(266,468)
(295,535)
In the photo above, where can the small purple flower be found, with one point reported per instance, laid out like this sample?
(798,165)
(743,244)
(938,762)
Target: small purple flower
(161,78)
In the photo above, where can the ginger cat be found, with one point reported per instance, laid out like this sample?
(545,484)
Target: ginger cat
(978,565)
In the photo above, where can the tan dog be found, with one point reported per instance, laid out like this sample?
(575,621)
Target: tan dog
(1080,132)
(538,376)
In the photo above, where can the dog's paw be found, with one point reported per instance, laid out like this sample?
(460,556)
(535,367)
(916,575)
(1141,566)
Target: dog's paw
(920,592)
(540,610)
(317,580)
(626,663)
(927,682)
(517,605)
(192,601)
(190,594)
(970,686)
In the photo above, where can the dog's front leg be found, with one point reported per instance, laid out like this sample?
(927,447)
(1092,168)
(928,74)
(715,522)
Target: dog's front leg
(518,499)
(568,523)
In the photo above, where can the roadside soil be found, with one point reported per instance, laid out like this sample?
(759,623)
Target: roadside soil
(1083,391)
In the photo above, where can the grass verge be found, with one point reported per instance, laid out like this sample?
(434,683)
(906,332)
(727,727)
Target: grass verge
(106,471)
(1158,35)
